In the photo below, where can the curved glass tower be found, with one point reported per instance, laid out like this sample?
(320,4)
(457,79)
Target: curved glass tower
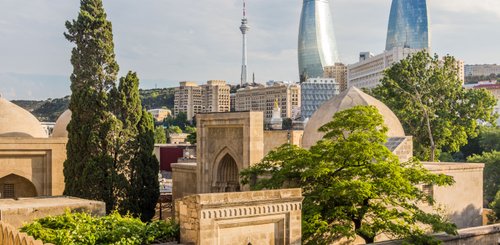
(317,45)
(408,25)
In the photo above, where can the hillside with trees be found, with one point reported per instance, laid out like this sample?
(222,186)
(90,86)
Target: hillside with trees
(49,110)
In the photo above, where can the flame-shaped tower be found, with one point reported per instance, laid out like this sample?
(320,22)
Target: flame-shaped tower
(317,44)
(408,25)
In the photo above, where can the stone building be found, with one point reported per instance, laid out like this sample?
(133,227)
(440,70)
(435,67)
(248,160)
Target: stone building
(192,99)
(230,142)
(160,114)
(31,164)
(262,98)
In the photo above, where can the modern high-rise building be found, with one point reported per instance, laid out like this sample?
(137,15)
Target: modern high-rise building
(315,92)
(317,46)
(244,28)
(408,25)
(368,72)
(481,70)
(192,99)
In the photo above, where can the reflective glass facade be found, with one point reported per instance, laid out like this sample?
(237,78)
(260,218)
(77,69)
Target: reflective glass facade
(317,45)
(408,25)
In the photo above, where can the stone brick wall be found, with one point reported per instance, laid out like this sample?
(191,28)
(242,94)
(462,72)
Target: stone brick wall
(10,235)
(183,179)
(478,235)
(25,210)
(261,217)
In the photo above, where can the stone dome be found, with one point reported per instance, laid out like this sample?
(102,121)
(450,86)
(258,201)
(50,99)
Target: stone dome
(348,99)
(61,125)
(18,122)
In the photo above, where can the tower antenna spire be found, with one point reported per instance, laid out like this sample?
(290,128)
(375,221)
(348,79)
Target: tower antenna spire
(244,9)
(244,29)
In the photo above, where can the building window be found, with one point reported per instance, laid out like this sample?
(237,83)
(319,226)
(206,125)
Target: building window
(428,190)
(8,191)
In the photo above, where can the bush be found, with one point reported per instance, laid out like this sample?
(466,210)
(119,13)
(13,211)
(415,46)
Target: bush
(495,206)
(82,228)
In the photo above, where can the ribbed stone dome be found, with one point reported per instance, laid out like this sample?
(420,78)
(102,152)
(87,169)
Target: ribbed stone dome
(61,125)
(18,122)
(348,99)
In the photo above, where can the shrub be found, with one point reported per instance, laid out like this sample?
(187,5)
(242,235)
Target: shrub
(82,228)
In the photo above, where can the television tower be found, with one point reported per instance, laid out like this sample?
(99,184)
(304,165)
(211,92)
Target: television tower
(244,29)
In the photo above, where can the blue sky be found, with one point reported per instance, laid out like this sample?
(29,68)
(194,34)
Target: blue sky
(167,41)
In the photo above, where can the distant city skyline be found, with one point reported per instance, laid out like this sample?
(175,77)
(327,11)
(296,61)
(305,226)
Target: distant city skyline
(167,42)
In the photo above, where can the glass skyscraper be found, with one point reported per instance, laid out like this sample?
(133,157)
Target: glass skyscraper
(408,25)
(317,45)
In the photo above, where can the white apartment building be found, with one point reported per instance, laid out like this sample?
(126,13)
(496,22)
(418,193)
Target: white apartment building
(192,99)
(368,72)
(262,98)
(160,114)
(481,70)
(315,92)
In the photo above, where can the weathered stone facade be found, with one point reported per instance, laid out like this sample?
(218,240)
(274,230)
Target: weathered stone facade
(261,217)
(31,167)
(25,210)
(227,143)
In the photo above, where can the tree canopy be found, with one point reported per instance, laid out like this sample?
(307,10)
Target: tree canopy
(352,184)
(111,139)
(491,177)
(426,94)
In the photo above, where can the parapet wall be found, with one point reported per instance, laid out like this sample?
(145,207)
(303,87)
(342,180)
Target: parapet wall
(10,235)
(259,217)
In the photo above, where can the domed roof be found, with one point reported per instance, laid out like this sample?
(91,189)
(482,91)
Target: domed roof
(18,122)
(348,99)
(61,125)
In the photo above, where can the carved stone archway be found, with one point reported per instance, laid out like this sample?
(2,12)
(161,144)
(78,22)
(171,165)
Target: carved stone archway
(14,186)
(227,175)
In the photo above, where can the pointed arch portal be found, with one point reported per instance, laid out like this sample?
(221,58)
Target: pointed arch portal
(227,175)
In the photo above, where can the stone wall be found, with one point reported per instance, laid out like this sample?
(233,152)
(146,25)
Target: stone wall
(276,138)
(183,180)
(10,235)
(38,161)
(25,210)
(237,137)
(478,235)
(463,201)
(260,217)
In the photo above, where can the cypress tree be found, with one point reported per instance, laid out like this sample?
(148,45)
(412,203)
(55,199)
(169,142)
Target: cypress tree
(139,163)
(88,169)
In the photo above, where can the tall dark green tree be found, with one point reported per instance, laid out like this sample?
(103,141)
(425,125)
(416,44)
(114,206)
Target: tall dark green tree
(88,169)
(134,148)
(426,94)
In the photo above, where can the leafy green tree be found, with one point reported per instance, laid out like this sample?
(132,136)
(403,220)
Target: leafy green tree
(427,96)
(495,206)
(352,184)
(88,170)
(491,176)
(160,135)
(489,139)
(191,138)
(174,130)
